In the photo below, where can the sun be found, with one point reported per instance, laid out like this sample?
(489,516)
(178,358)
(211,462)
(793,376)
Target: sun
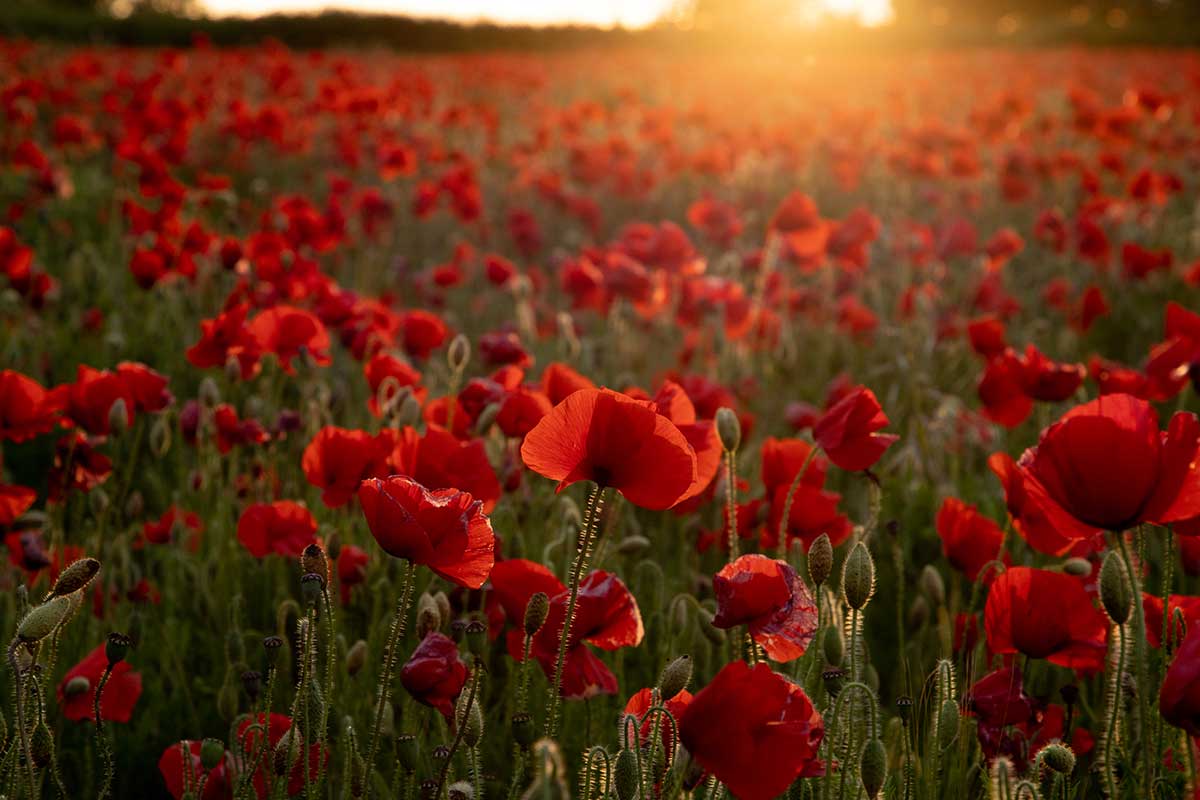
(871,13)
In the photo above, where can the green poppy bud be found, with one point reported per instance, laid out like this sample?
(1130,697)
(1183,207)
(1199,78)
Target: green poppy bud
(625,775)
(858,577)
(675,677)
(212,752)
(1115,593)
(75,577)
(1058,757)
(536,611)
(820,560)
(729,429)
(41,621)
(873,767)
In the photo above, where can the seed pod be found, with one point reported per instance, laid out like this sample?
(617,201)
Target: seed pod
(522,729)
(625,775)
(729,429)
(75,577)
(1079,567)
(536,611)
(408,752)
(477,639)
(429,617)
(271,645)
(212,752)
(820,560)
(858,577)
(872,767)
(356,657)
(833,646)
(1115,593)
(932,585)
(947,724)
(42,620)
(252,683)
(313,560)
(904,705)
(834,678)
(115,648)
(312,586)
(1058,757)
(675,677)
(459,353)
(460,790)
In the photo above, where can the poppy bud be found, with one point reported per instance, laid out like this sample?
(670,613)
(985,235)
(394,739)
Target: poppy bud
(833,647)
(633,545)
(932,585)
(458,354)
(536,611)
(313,561)
(460,790)
(209,393)
(311,587)
(356,657)
(252,683)
(1058,757)
(1115,594)
(858,577)
(227,700)
(904,705)
(118,417)
(477,637)
(42,746)
(947,725)
(333,545)
(1079,567)
(469,718)
(75,577)
(429,618)
(729,428)
(625,775)
(918,613)
(408,752)
(98,501)
(522,729)
(135,505)
(212,751)
(486,418)
(871,678)
(77,686)
(443,607)
(710,631)
(872,767)
(160,437)
(42,620)
(675,677)
(410,411)
(833,677)
(115,648)
(279,759)
(820,559)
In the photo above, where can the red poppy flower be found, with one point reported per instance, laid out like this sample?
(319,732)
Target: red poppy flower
(147,387)
(616,441)
(337,460)
(283,527)
(445,530)
(606,615)
(218,782)
(847,432)
(560,381)
(1048,381)
(969,539)
(521,410)
(1015,619)
(90,399)
(78,465)
(435,674)
(813,511)
(1066,489)
(227,337)
(1152,605)
(987,336)
(439,460)
(278,726)
(1002,391)
(397,374)
(26,408)
(78,698)
(161,530)
(754,730)
(639,706)
(672,402)
(768,597)
(422,332)
(287,332)
(1179,697)
(351,569)
(232,432)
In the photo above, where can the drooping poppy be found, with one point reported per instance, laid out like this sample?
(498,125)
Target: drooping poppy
(754,730)
(847,432)
(284,528)
(445,530)
(435,674)
(1015,619)
(1103,466)
(77,689)
(768,597)
(969,539)
(615,441)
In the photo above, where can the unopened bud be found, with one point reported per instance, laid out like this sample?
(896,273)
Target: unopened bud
(41,621)
(873,767)
(675,677)
(459,353)
(625,775)
(75,577)
(470,718)
(118,417)
(1115,594)
(212,752)
(429,617)
(820,559)
(729,429)
(536,611)
(633,545)
(486,418)
(1058,757)
(77,686)
(1079,567)
(947,725)
(858,577)
(933,586)
(833,646)
(356,657)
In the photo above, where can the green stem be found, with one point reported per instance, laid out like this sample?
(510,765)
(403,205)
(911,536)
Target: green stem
(395,634)
(462,729)
(101,739)
(782,544)
(1114,713)
(731,502)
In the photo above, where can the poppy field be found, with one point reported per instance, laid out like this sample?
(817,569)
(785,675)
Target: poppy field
(608,425)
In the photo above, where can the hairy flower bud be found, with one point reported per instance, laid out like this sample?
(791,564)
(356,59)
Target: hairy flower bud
(429,616)
(470,718)
(872,767)
(858,577)
(932,585)
(947,724)
(212,751)
(75,577)
(729,428)
(1058,757)
(1079,567)
(820,560)
(833,646)
(536,611)
(1115,593)
(625,775)
(42,620)
(459,353)
(356,657)
(675,677)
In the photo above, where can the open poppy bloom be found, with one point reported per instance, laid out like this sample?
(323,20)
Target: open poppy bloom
(1179,697)
(672,402)
(90,399)
(1016,619)
(287,332)
(754,730)
(606,615)
(26,408)
(337,460)
(814,511)
(283,527)
(218,782)
(445,530)
(615,441)
(435,674)
(439,460)
(847,431)
(638,707)
(770,599)
(77,689)
(969,539)
(1103,466)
